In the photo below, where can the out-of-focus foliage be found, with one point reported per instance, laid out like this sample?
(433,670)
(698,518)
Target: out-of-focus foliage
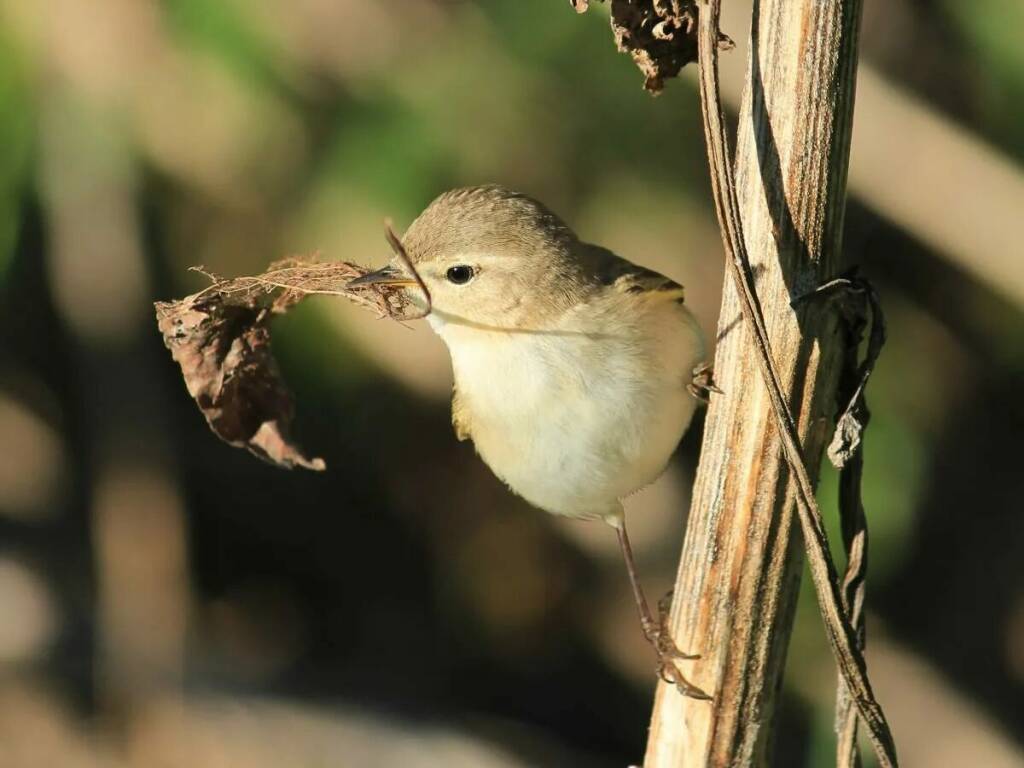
(16,139)
(141,558)
(991,28)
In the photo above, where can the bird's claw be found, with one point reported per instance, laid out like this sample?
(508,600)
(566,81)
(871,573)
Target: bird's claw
(668,652)
(670,674)
(703,383)
(661,637)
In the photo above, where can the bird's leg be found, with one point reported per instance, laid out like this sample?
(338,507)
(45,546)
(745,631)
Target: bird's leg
(703,382)
(657,632)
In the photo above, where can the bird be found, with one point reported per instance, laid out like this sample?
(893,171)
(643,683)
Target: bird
(576,372)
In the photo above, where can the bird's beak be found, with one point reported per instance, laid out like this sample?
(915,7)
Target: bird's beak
(387,276)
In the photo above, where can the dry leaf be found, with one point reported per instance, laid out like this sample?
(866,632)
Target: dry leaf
(846,439)
(220,337)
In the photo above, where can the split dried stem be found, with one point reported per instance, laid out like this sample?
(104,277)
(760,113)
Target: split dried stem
(841,633)
(736,560)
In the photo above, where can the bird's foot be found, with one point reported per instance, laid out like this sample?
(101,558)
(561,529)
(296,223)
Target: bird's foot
(703,383)
(669,672)
(668,652)
(660,636)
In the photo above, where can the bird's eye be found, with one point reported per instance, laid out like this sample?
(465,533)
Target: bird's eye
(460,274)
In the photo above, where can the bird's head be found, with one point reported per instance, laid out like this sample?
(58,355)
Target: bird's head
(488,258)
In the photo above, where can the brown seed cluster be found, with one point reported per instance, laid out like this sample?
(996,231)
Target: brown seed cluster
(660,35)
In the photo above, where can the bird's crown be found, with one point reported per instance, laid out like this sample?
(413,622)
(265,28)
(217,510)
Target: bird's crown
(489,218)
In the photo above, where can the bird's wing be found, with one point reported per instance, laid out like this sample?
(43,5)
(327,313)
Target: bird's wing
(460,418)
(627,277)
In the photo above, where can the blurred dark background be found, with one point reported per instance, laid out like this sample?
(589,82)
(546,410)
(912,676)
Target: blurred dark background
(166,600)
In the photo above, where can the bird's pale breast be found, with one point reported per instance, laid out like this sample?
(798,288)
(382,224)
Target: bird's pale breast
(575,417)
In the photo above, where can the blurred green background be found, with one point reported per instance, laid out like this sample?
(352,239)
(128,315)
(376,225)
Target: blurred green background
(166,600)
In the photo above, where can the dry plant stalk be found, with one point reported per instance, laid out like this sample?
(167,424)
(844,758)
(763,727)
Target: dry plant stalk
(220,337)
(794,194)
(739,570)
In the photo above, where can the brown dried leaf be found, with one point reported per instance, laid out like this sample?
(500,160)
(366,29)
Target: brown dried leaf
(846,439)
(220,337)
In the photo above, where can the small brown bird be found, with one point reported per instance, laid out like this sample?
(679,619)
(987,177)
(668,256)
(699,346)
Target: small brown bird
(576,371)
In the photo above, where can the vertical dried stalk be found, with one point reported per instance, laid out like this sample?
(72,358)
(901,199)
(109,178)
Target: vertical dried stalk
(739,571)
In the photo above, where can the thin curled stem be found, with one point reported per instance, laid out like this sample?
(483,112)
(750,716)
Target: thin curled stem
(403,256)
